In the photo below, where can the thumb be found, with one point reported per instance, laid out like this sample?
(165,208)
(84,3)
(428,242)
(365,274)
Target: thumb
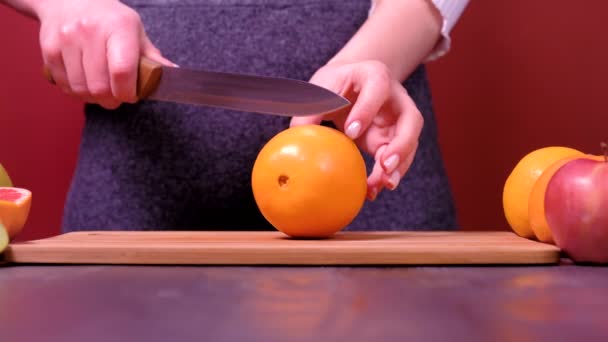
(326,78)
(149,50)
(306,120)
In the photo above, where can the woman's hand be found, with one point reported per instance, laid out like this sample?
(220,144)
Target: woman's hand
(92,49)
(384,121)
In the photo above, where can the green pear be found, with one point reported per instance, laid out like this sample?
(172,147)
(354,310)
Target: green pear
(5,180)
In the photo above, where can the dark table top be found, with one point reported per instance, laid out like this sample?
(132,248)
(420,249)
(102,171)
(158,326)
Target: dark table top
(187,303)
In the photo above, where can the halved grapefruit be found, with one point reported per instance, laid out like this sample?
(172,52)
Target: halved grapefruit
(15,206)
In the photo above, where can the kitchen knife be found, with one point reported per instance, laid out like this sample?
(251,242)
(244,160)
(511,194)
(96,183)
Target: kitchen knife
(241,92)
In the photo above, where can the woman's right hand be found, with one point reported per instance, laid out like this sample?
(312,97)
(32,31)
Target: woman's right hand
(92,48)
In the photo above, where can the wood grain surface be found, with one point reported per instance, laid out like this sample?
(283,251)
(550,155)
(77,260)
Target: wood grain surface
(275,248)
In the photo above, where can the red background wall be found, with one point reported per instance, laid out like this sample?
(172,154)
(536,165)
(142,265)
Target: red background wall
(521,75)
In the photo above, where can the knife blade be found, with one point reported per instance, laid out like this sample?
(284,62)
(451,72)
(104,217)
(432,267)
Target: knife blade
(240,92)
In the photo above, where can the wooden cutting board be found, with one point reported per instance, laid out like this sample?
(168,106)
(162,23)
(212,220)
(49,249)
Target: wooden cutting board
(274,248)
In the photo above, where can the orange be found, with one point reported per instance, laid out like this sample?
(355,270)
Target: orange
(14,209)
(536,205)
(519,184)
(309,181)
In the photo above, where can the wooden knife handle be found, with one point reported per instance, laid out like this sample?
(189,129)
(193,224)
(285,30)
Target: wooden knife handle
(47,74)
(148,76)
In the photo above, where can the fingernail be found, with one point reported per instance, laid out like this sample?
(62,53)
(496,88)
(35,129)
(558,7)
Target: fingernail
(391,163)
(394,179)
(353,129)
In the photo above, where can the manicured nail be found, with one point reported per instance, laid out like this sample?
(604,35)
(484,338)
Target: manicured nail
(391,163)
(394,179)
(353,129)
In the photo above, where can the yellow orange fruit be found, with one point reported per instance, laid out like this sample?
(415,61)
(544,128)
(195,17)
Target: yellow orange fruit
(518,185)
(15,206)
(309,181)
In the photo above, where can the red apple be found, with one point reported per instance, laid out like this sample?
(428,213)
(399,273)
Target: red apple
(576,209)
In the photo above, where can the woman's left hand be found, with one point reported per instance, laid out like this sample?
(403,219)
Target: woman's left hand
(384,121)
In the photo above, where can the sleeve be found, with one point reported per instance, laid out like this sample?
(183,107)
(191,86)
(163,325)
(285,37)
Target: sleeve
(450,10)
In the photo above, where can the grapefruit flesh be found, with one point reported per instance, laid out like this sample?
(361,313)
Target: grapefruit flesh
(15,206)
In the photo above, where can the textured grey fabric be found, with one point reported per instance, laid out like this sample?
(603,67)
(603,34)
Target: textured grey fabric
(158,165)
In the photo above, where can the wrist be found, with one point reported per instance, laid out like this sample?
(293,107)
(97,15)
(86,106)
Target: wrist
(48,8)
(399,34)
(41,7)
(36,9)
(30,8)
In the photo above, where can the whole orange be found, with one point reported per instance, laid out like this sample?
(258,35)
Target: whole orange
(309,181)
(519,184)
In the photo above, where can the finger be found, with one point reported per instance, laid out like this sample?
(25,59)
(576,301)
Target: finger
(375,180)
(72,59)
(407,130)
(373,86)
(375,187)
(321,81)
(305,120)
(123,53)
(53,60)
(331,79)
(109,103)
(71,54)
(392,181)
(148,49)
(95,64)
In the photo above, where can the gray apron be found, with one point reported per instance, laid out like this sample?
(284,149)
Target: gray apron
(163,166)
